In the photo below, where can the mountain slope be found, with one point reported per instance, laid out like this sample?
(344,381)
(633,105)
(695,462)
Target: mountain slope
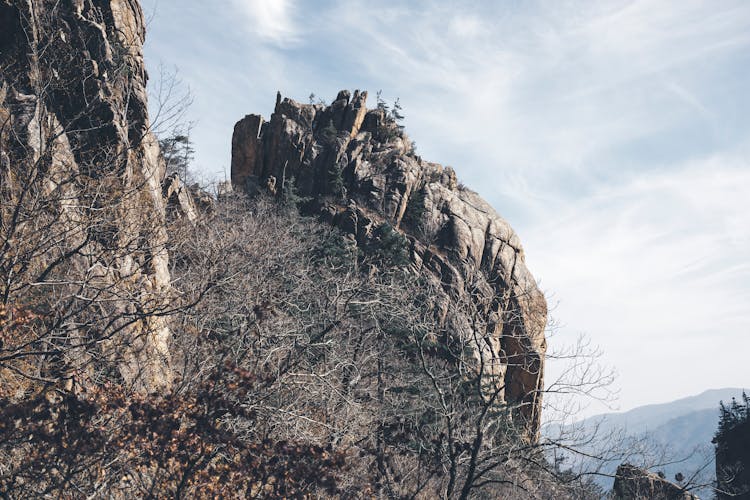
(81,211)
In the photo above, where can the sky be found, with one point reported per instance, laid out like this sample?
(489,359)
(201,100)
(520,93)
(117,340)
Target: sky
(612,135)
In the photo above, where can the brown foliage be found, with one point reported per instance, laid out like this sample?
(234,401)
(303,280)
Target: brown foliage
(107,443)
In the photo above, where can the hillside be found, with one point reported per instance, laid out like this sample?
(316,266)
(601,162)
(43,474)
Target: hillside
(348,321)
(357,170)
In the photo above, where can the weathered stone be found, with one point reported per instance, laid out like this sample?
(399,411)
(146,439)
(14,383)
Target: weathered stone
(355,114)
(456,236)
(634,483)
(179,198)
(246,152)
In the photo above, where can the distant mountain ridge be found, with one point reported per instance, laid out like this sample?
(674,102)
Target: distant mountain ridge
(651,416)
(684,426)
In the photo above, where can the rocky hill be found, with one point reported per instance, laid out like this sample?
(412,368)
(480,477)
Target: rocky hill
(358,170)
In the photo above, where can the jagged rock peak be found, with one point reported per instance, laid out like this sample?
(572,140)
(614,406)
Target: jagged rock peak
(360,169)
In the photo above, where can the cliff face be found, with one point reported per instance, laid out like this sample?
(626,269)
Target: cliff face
(81,194)
(360,171)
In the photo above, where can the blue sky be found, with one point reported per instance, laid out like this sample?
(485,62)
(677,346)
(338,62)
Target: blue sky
(613,135)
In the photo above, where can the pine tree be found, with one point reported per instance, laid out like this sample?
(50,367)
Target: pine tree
(397,115)
(178,153)
(732,441)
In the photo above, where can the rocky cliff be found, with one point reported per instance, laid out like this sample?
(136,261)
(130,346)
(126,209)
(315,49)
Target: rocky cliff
(81,196)
(359,171)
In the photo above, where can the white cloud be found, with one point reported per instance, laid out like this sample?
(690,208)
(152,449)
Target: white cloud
(660,260)
(467,26)
(271,20)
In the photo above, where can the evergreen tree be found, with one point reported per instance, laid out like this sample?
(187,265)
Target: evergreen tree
(732,441)
(397,115)
(178,153)
(290,197)
(380,101)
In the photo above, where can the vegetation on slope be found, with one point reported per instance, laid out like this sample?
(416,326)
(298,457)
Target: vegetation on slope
(305,367)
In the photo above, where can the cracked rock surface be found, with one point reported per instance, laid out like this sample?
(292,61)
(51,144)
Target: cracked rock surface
(73,107)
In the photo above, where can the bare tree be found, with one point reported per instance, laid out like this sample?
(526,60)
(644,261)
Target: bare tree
(354,353)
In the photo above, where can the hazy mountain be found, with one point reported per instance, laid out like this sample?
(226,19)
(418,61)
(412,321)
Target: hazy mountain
(684,428)
(651,417)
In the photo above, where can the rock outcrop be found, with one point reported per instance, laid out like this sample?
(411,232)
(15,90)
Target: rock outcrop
(360,171)
(74,132)
(634,483)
